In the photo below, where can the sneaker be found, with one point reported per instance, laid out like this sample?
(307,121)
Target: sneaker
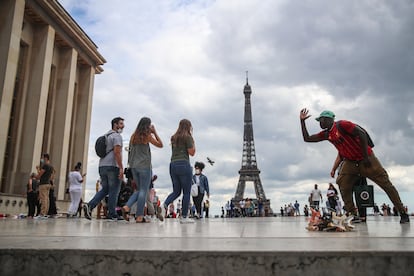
(148,219)
(42,217)
(404,218)
(87,211)
(186,220)
(161,212)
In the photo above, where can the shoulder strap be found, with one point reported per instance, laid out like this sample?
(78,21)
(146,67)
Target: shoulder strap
(109,134)
(341,129)
(106,138)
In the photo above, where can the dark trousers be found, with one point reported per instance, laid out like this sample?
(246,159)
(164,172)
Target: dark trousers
(197,202)
(350,173)
(52,203)
(332,202)
(31,203)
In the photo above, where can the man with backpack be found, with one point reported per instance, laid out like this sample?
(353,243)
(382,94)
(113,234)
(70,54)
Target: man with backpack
(111,170)
(358,160)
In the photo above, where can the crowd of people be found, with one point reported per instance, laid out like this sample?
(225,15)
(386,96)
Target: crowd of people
(141,178)
(116,198)
(246,207)
(333,203)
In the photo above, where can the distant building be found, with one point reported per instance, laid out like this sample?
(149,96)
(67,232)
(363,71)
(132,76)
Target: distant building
(47,70)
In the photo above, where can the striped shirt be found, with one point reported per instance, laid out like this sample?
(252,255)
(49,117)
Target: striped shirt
(348,146)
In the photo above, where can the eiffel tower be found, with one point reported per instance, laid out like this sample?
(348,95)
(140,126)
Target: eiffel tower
(249,170)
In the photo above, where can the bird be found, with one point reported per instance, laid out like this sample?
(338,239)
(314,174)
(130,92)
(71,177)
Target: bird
(210,161)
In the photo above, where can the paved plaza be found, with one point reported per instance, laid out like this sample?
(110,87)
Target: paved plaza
(271,237)
(215,234)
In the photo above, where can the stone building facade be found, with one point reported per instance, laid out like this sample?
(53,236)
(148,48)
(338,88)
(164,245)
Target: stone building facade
(47,70)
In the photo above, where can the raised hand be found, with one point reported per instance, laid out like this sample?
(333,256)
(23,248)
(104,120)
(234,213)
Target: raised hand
(304,114)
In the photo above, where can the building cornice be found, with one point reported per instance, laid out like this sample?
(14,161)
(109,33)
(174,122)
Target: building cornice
(68,32)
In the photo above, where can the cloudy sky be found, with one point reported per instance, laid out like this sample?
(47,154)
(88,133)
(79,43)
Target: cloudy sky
(170,60)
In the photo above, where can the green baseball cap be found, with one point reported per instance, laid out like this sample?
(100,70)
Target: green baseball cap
(327,114)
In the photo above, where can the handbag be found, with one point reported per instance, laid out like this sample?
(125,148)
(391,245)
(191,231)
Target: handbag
(128,173)
(364,194)
(194,190)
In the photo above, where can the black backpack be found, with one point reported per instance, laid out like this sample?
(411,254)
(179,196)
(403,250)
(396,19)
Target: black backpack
(100,145)
(343,131)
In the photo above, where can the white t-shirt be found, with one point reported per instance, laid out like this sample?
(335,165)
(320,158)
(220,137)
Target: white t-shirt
(114,139)
(197,177)
(316,195)
(75,181)
(330,193)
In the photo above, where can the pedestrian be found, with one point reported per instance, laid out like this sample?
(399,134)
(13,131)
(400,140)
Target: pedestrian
(75,179)
(151,209)
(206,207)
(52,212)
(332,195)
(297,205)
(202,184)
(32,195)
(316,197)
(306,210)
(182,144)
(357,157)
(139,161)
(111,172)
(44,175)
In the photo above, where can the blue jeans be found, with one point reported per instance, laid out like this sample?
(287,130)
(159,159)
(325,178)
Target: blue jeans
(111,186)
(181,177)
(143,179)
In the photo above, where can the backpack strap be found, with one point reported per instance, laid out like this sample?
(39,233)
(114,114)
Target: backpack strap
(341,129)
(106,137)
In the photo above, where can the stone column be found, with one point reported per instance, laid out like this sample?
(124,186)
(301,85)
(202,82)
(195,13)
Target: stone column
(36,101)
(12,13)
(62,119)
(84,113)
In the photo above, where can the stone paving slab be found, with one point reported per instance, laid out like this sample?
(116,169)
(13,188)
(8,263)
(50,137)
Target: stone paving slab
(240,246)
(281,234)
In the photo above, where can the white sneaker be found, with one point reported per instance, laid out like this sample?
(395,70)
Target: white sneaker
(148,219)
(186,220)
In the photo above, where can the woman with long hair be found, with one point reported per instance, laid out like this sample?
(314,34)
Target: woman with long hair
(332,195)
(182,144)
(139,161)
